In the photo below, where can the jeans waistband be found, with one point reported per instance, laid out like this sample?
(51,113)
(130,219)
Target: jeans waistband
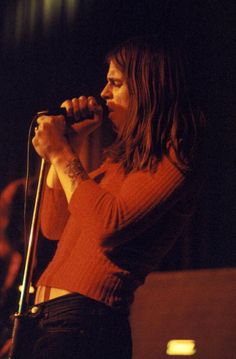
(73,302)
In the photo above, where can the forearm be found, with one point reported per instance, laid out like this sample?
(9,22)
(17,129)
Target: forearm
(66,172)
(52,179)
(63,177)
(54,213)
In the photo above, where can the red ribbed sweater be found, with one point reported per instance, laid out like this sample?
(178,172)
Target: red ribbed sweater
(115,229)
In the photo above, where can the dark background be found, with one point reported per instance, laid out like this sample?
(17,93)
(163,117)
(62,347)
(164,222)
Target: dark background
(46,59)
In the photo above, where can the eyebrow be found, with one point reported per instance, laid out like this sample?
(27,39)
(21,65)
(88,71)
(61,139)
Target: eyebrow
(114,78)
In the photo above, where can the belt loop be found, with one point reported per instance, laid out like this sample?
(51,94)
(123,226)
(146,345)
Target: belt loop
(47,293)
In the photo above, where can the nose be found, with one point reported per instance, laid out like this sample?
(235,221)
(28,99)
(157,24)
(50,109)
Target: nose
(106,93)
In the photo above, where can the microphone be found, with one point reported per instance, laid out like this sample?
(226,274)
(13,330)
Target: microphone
(56,111)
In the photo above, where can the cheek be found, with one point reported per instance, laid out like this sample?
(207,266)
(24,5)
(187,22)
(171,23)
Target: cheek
(127,99)
(124,100)
(126,104)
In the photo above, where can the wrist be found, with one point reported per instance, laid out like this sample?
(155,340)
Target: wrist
(62,155)
(70,171)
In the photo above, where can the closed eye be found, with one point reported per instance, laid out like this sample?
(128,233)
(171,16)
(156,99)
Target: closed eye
(114,82)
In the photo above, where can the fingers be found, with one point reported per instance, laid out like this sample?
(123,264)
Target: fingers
(67,104)
(47,124)
(82,108)
(94,107)
(49,137)
(41,120)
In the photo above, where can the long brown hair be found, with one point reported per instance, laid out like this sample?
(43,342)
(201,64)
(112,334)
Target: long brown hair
(160,114)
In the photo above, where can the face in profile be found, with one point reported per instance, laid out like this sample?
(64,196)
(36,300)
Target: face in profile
(116,95)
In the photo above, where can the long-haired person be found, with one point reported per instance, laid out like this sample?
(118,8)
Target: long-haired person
(114,225)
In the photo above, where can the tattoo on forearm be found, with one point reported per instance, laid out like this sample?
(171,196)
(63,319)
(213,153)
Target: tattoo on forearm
(75,171)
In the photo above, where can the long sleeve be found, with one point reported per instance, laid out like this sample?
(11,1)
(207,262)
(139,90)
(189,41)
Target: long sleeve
(98,209)
(54,213)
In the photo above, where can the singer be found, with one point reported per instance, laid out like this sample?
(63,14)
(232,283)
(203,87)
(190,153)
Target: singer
(114,225)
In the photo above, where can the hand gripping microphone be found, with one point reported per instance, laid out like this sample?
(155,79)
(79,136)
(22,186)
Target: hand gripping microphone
(56,111)
(62,111)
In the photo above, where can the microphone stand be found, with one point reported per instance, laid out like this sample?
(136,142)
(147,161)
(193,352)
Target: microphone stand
(20,317)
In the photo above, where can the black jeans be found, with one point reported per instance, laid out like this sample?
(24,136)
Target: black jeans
(74,326)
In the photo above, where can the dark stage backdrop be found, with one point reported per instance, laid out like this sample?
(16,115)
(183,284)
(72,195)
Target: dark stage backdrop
(53,50)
